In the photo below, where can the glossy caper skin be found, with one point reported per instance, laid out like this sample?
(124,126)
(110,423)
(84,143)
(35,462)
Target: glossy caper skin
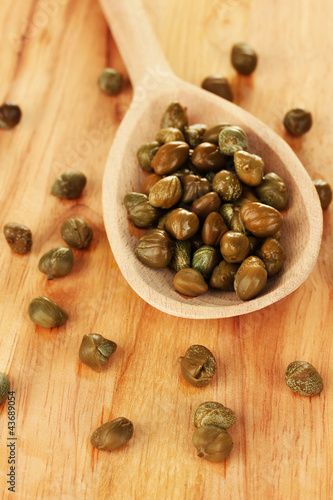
(155,249)
(227,185)
(205,259)
(69,185)
(170,157)
(213,413)
(146,153)
(212,443)
(56,262)
(112,435)
(169,134)
(198,365)
(237,224)
(249,168)
(110,81)
(232,139)
(273,255)
(272,191)
(149,182)
(182,224)
(207,158)
(213,229)
(324,191)
(212,133)
(10,115)
(235,247)
(18,237)
(175,116)
(223,276)
(227,212)
(194,186)
(298,121)
(95,350)
(260,219)
(303,378)
(4,387)
(194,134)
(190,282)
(46,313)
(243,58)
(250,278)
(139,211)
(166,193)
(218,85)
(77,233)
(181,257)
(208,203)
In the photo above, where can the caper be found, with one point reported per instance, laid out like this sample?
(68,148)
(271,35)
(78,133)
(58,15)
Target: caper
(169,134)
(170,157)
(227,185)
(260,219)
(212,443)
(190,282)
(324,191)
(249,168)
(213,229)
(198,366)
(272,191)
(243,58)
(112,435)
(4,387)
(56,262)
(223,276)
(227,212)
(207,158)
(298,121)
(76,232)
(213,132)
(303,378)
(18,237)
(237,224)
(182,224)
(273,255)
(194,134)
(206,204)
(213,413)
(194,187)
(166,192)
(146,153)
(181,257)
(139,211)
(218,85)
(10,115)
(205,259)
(46,313)
(174,116)
(155,248)
(232,139)
(250,278)
(95,351)
(149,182)
(110,81)
(69,185)
(235,246)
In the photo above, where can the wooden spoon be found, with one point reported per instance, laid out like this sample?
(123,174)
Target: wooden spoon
(155,86)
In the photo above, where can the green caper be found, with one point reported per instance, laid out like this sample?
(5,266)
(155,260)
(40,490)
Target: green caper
(69,185)
(273,255)
(166,192)
(56,262)
(112,435)
(190,282)
(182,224)
(95,351)
(235,246)
(110,81)
(250,278)
(227,212)
(213,132)
(76,232)
(303,378)
(272,191)
(146,153)
(237,224)
(260,219)
(169,134)
(181,257)
(194,134)
(227,185)
(4,387)
(207,158)
(139,211)
(243,58)
(223,276)
(213,229)
(232,139)
(170,157)
(298,121)
(155,248)
(10,115)
(194,186)
(249,168)
(205,259)
(324,191)
(212,443)
(18,237)
(213,413)
(206,204)
(218,85)
(46,313)
(175,116)
(198,366)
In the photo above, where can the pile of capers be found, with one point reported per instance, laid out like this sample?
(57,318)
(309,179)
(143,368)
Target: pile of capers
(211,210)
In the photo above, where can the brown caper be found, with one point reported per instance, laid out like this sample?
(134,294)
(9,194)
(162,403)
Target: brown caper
(146,153)
(169,134)
(194,134)
(182,224)
(95,351)
(10,115)
(46,313)
(207,158)
(273,255)
(112,435)
(261,220)
(205,259)
(110,81)
(223,276)
(232,139)
(18,237)
(218,85)
(76,232)
(166,192)
(170,157)
(250,278)
(227,185)
(272,191)
(4,387)
(213,413)
(213,229)
(174,116)
(155,248)
(235,247)
(69,185)
(206,204)
(243,58)
(194,187)
(213,132)
(190,282)
(298,121)
(212,443)
(198,365)
(56,262)
(324,191)
(302,378)
(249,168)
(181,257)
(139,211)
(149,182)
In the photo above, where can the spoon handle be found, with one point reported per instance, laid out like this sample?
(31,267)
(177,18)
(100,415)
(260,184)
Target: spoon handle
(136,41)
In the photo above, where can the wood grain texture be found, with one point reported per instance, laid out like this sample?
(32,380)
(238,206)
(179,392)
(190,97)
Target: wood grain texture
(51,54)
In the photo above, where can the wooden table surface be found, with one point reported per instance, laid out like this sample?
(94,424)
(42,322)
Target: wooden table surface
(51,53)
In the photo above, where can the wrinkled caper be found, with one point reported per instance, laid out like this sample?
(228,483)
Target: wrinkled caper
(249,168)
(273,255)
(4,387)
(190,282)
(169,134)
(298,121)
(76,232)
(18,237)
(174,116)
(198,366)
(250,278)
(194,134)
(139,211)
(170,157)
(166,192)
(155,248)
(213,413)
(110,81)
(212,443)
(146,153)
(112,435)
(46,313)
(303,378)
(223,276)
(272,191)
(95,351)
(227,185)
(243,58)
(232,139)
(181,257)
(260,219)
(56,262)
(69,185)
(205,259)
(194,187)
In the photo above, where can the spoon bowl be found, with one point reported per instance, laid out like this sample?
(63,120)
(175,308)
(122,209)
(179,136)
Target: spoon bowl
(156,87)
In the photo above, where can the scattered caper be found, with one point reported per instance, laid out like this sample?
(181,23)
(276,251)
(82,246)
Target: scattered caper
(218,85)
(303,378)
(112,435)
(46,313)
(324,191)
(95,351)
(18,237)
(4,387)
(298,121)
(212,443)
(76,233)
(110,81)
(56,262)
(69,185)
(213,413)
(243,58)
(10,115)
(198,366)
